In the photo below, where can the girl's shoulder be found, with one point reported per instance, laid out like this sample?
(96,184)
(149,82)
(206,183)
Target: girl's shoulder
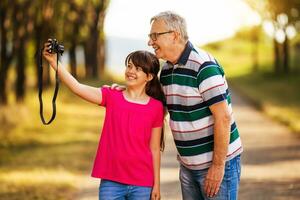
(109,93)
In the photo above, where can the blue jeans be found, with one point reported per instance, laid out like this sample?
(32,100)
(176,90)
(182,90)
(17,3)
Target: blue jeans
(110,190)
(192,182)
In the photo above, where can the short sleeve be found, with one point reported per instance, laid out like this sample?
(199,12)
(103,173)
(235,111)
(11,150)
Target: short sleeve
(159,116)
(212,84)
(105,94)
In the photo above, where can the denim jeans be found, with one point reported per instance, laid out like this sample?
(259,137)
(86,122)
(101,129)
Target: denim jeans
(192,182)
(110,190)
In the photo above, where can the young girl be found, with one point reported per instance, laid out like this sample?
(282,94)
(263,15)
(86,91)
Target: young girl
(128,155)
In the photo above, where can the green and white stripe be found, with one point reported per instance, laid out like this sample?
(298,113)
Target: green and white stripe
(191,86)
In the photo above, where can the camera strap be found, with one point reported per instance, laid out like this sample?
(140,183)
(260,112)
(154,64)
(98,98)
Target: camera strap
(40,87)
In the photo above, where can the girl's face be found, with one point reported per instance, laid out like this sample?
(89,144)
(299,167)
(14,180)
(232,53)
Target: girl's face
(135,76)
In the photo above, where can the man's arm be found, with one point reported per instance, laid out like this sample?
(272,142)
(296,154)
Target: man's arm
(222,118)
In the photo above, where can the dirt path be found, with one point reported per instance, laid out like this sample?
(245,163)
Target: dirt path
(271,161)
(271,158)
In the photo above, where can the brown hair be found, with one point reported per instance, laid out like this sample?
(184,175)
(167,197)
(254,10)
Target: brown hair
(150,65)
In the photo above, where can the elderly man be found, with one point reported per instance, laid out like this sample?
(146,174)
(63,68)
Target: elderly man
(199,104)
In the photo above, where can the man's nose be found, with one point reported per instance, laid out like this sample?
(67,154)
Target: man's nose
(150,42)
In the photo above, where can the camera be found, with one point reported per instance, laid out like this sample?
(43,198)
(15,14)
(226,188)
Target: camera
(55,47)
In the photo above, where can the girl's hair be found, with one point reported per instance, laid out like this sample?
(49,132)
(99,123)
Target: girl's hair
(150,65)
(174,22)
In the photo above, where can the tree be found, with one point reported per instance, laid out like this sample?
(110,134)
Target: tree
(14,26)
(21,30)
(6,55)
(74,22)
(94,63)
(281,14)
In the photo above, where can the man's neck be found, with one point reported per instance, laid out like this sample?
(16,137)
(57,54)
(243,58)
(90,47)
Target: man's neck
(177,52)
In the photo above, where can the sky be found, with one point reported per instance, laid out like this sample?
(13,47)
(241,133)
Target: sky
(207,20)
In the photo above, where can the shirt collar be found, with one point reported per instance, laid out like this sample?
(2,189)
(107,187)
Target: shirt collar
(185,54)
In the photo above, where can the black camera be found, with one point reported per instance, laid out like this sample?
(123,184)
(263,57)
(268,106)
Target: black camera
(55,47)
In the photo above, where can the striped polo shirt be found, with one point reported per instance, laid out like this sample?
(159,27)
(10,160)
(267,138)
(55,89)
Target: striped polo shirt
(196,82)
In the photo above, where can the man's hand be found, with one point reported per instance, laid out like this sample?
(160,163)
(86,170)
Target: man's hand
(222,119)
(115,86)
(213,179)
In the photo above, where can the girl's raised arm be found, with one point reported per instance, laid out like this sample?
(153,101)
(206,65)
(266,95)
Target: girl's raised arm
(91,94)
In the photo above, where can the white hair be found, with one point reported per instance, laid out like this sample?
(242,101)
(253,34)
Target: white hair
(174,22)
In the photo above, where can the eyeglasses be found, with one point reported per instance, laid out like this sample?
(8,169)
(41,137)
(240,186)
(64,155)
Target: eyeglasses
(154,36)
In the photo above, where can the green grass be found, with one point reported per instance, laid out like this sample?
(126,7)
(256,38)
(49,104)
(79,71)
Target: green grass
(276,95)
(46,162)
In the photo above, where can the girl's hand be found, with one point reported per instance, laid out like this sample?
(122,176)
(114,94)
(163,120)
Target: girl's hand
(51,58)
(155,194)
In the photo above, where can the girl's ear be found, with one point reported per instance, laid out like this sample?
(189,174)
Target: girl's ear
(149,77)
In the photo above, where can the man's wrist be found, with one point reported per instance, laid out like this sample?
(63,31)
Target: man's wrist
(219,164)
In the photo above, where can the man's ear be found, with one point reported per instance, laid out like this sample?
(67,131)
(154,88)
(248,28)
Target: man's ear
(176,35)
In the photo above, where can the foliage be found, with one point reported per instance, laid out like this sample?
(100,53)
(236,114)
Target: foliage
(24,22)
(285,18)
(275,94)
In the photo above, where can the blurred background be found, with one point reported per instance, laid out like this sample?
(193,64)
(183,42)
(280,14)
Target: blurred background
(256,41)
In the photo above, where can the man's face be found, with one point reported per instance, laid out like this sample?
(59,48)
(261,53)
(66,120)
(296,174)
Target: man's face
(161,39)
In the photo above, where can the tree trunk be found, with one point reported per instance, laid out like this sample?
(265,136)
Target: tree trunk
(277,64)
(22,19)
(101,45)
(101,57)
(286,56)
(255,31)
(43,31)
(90,52)
(3,80)
(94,48)
(72,55)
(38,46)
(3,59)
(20,81)
(255,55)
